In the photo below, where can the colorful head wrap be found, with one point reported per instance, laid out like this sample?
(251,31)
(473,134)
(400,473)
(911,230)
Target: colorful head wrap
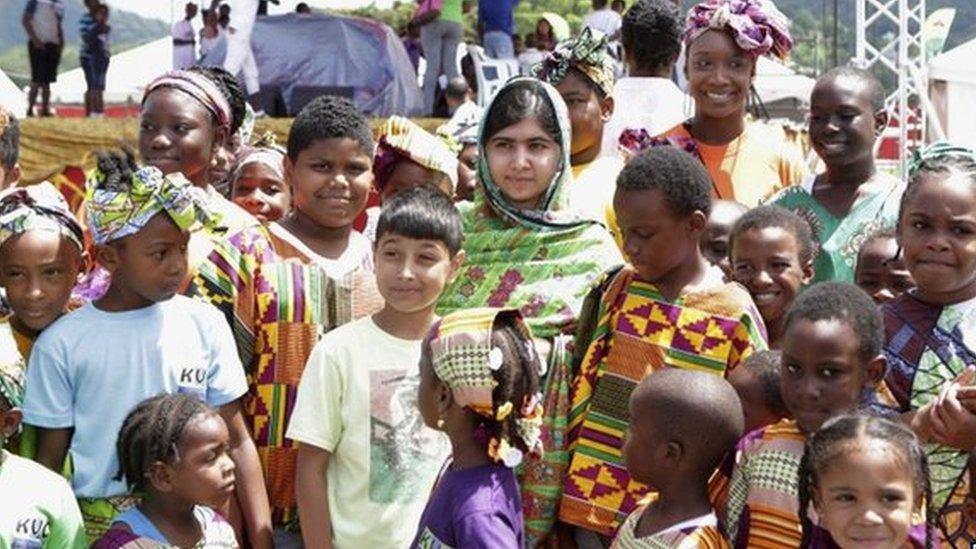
(937,151)
(200,88)
(464,358)
(12,382)
(403,139)
(586,53)
(266,151)
(757,26)
(117,213)
(38,207)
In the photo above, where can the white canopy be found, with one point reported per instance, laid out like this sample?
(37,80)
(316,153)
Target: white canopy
(952,89)
(128,74)
(775,81)
(12,97)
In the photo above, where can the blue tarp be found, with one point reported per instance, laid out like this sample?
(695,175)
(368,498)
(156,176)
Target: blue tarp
(325,50)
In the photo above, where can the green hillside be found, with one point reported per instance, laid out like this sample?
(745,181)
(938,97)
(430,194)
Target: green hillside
(128,30)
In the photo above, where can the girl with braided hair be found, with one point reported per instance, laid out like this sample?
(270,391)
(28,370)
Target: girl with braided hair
(929,330)
(479,383)
(868,479)
(174,449)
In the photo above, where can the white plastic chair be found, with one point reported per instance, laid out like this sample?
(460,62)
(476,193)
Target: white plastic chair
(491,73)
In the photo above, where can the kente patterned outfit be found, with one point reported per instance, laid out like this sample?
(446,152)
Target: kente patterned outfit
(698,533)
(541,262)
(712,328)
(279,297)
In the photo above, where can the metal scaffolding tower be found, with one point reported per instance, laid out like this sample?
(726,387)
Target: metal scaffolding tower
(889,39)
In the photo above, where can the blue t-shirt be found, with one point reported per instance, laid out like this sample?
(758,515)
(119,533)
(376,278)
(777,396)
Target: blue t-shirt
(496,15)
(90,368)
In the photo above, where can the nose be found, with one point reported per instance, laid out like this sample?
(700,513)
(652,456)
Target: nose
(883,295)
(406,270)
(937,242)
(161,141)
(869,516)
(34,290)
(253,199)
(520,157)
(762,279)
(808,388)
(227,465)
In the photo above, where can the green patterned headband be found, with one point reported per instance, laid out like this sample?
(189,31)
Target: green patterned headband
(938,151)
(12,385)
(117,213)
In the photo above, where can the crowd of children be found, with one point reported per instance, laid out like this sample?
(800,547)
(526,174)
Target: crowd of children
(228,348)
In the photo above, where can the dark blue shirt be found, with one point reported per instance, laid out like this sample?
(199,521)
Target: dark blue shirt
(496,15)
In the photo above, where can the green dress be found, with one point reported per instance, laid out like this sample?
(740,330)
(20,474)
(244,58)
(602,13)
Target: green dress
(542,262)
(840,239)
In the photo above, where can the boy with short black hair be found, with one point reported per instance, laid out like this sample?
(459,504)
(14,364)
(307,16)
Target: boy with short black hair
(669,309)
(757,383)
(665,450)
(89,368)
(366,461)
(647,98)
(282,285)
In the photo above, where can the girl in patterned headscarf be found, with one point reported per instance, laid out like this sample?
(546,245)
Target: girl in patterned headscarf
(258,181)
(479,383)
(583,73)
(525,250)
(747,161)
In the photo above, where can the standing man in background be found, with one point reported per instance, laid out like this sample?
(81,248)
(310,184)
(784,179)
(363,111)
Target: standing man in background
(240,56)
(495,22)
(184,42)
(604,19)
(42,21)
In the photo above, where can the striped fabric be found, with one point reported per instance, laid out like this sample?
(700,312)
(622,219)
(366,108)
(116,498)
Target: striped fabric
(711,329)
(701,533)
(763,499)
(279,301)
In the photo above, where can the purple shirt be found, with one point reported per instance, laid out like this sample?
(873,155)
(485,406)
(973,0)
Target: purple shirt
(474,508)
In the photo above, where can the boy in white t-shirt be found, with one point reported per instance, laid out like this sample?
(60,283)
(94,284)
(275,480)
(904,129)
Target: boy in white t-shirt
(366,461)
(92,366)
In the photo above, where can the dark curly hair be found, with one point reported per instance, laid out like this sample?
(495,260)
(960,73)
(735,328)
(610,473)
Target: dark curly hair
(765,217)
(117,168)
(845,303)
(328,117)
(681,177)
(838,437)
(765,366)
(231,88)
(651,34)
(152,432)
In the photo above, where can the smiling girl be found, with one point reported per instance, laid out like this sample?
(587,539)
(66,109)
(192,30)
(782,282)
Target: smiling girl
(746,161)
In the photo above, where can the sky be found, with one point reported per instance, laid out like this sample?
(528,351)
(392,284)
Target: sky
(161,9)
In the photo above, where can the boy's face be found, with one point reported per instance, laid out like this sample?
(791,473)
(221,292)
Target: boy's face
(587,114)
(262,193)
(150,264)
(412,273)
(823,373)
(656,241)
(467,172)
(38,269)
(715,240)
(407,174)
(752,395)
(843,124)
(767,262)
(879,273)
(176,134)
(330,181)
(644,448)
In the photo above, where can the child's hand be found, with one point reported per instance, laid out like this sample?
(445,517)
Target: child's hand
(952,423)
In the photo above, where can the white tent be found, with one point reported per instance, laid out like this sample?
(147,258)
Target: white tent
(952,89)
(128,74)
(12,97)
(775,81)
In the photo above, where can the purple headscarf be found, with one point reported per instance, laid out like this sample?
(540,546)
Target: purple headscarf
(757,26)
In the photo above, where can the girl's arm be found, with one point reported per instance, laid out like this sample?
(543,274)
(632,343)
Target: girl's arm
(313,500)
(52,447)
(251,493)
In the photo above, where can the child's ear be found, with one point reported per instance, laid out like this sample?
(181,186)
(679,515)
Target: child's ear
(445,398)
(880,122)
(160,476)
(456,263)
(876,369)
(808,272)
(107,255)
(673,452)
(10,422)
(697,221)
(606,109)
